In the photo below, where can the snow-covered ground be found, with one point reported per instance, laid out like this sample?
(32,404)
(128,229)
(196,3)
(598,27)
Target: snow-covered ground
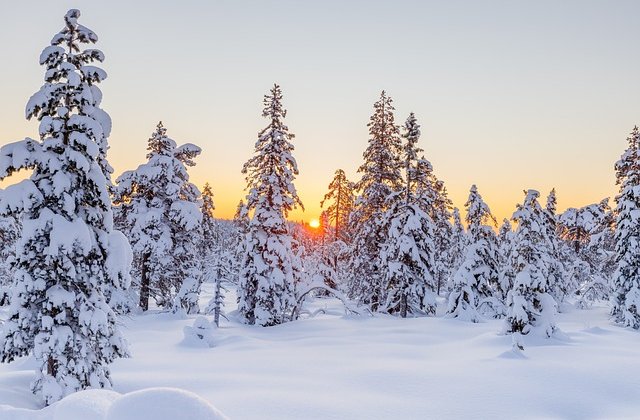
(338,367)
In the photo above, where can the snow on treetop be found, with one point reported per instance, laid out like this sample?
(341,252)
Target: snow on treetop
(72,16)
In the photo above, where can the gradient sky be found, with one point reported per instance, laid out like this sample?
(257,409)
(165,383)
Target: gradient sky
(510,94)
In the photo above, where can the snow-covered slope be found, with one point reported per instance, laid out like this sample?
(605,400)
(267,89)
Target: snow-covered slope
(337,367)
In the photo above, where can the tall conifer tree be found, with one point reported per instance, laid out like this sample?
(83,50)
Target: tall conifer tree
(381,179)
(269,269)
(159,208)
(68,254)
(341,199)
(625,298)
(407,257)
(477,277)
(529,305)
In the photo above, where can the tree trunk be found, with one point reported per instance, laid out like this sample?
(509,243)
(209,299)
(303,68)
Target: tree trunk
(52,367)
(216,311)
(144,283)
(403,306)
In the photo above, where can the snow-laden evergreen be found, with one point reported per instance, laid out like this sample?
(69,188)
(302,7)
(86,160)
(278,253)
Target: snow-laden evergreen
(381,178)
(68,254)
(341,201)
(559,283)
(478,275)
(505,246)
(217,254)
(409,251)
(447,249)
(458,241)
(588,251)
(625,299)
(530,307)
(159,210)
(268,271)
(208,226)
(240,224)
(9,233)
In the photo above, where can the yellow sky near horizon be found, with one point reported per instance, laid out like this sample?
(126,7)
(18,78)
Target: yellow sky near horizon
(510,95)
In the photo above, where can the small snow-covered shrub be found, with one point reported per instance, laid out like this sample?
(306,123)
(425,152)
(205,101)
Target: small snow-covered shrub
(201,333)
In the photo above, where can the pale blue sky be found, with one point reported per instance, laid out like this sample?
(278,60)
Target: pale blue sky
(510,94)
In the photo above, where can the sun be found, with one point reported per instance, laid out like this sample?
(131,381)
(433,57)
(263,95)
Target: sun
(314,223)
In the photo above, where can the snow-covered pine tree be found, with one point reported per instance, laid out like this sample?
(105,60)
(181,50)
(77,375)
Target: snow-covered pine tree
(241,218)
(441,216)
(573,229)
(341,199)
(625,299)
(588,251)
(220,268)
(218,264)
(159,209)
(458,241)
(381,178)
(268,270)
(529,304)
(208,226)
(240,222)
(408,252)
(68,253)
(559,285)
(9,234)
(506,274)
(435,202)
(478,275)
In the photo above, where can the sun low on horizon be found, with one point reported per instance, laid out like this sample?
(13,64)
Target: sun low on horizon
(314,223)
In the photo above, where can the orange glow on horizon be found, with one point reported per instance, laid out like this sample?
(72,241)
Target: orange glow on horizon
(314,223)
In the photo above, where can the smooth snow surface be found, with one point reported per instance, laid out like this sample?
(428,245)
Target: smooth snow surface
(337,367)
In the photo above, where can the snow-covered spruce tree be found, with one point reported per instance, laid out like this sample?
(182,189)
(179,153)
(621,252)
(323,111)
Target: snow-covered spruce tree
(68,253)
(588,251)
(441,216)
(505,270)
(159,209)
(240,222)
(408,252)
(220,268)
(208,226)
(341,203)
(216,247)
(477,277)
(559,286)
(381,178)
(625,299)
(529,305)
(436,203)
(599,252)
(268,268)
(9,234)
(458,241)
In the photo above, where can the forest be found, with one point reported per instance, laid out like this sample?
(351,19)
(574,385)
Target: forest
(84,249)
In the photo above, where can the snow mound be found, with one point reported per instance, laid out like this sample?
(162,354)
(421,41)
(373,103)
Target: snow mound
(91,404)
(102,404)
(202,334)
(512,354)
(162,404)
